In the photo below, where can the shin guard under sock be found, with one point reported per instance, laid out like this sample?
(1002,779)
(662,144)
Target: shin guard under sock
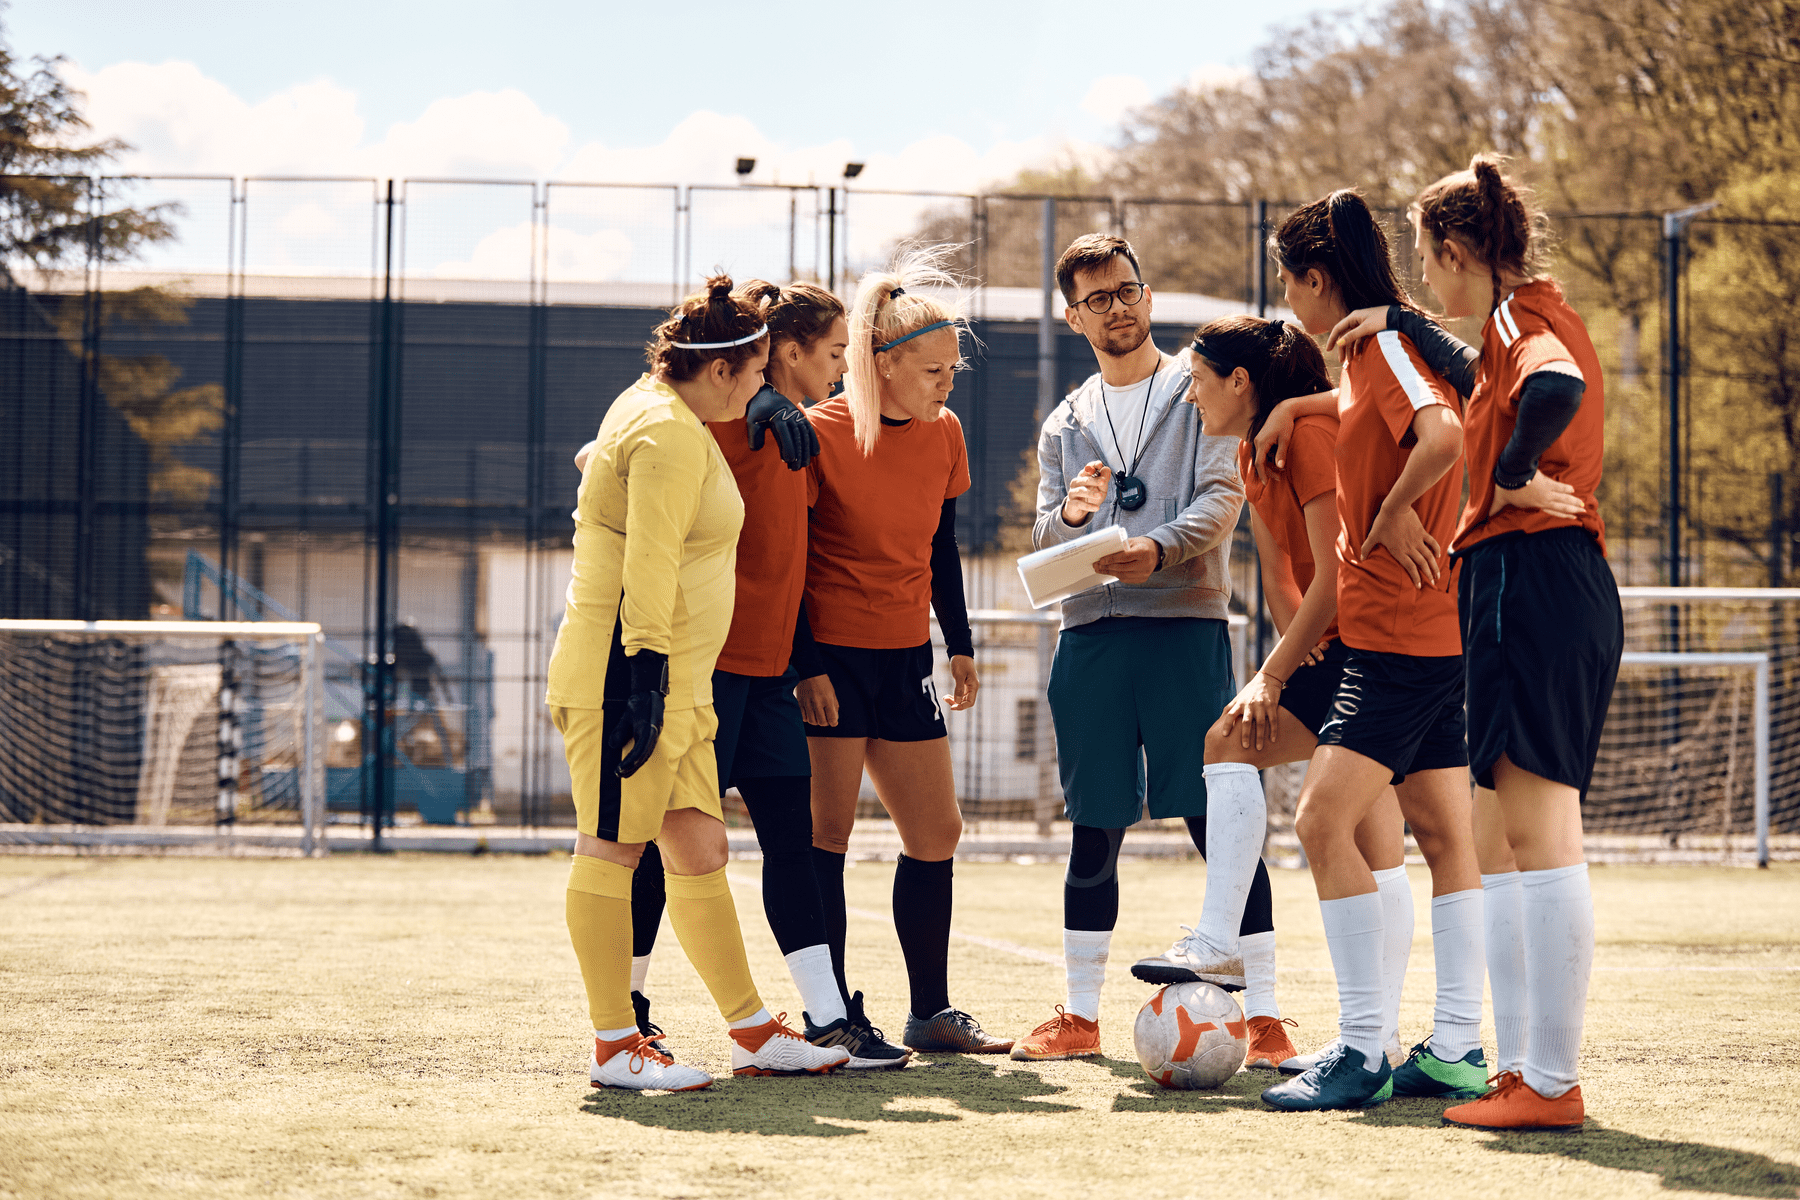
(1461,966)
(828,874)
(781,810)
(705,919)
(1503,917)
(1091,883)
(1237,820)
(647,900)
(1353,934)
(1397,921)
(922,900)
(597,906)
(1559,957)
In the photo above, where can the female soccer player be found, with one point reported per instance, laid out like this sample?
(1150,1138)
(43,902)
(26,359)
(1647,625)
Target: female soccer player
(882,556)
(1397,715)
(761,743)
(630,690)
(1241,367)
(1542,625)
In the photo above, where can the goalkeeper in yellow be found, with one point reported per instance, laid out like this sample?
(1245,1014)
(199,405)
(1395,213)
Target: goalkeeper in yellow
(630,689)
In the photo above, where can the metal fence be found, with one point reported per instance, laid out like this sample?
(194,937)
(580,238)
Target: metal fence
(356,402)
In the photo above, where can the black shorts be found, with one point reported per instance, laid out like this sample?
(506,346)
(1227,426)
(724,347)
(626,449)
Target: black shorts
(1310,691)
(886,694)
(1403,711)
(760,733)
(1542,635)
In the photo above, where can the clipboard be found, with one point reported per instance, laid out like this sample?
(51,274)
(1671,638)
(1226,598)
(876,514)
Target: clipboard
(1058,572)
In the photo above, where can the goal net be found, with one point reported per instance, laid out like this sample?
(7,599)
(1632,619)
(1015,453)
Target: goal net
(161,733)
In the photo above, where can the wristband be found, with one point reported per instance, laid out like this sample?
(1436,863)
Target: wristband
(1505,484)
(1159,556)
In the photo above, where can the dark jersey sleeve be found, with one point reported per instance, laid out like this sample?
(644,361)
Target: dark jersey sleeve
(1548,401)
(1442,350)
(947,586)
(806,659)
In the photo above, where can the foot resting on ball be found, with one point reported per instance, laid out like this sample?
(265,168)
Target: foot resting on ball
(1192,959)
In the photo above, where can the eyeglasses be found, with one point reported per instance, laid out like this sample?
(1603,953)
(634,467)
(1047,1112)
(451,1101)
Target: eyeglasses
(1128,294)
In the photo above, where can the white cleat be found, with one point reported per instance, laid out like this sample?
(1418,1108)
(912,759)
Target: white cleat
(1302,1063)
(1191,959)
(774,1049)
(635,1063)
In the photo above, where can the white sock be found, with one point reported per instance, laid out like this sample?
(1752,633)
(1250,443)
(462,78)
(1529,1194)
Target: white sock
(640,967)
(759,1017)
(1396,944)
(1084,956)
(1456,945)
(811,968)
(613,1035)
(1353,931)
(1559,956)
(1503,913)
(1237,821)
(1258,950)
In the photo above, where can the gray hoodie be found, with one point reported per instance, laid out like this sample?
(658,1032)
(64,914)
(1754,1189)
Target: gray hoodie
(1194,498)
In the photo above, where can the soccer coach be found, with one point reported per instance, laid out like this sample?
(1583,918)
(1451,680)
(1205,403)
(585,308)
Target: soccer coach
(1144,662)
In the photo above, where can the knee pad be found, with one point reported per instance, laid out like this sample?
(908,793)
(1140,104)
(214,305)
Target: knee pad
(1093,856)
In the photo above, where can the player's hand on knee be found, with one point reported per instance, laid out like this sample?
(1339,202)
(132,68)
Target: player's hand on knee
(818,701)
(641,723)
(1403,535)
(962,674)
(1256,707)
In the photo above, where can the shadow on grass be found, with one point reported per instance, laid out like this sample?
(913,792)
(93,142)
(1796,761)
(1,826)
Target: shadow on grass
(1681,1166)
(930,1090)
(1146,1096)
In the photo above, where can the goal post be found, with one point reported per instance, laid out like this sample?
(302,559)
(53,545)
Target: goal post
(145,732)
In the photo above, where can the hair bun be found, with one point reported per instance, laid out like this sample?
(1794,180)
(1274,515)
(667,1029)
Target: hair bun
(718,289)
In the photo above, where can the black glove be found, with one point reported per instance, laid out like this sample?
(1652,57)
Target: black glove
(769,410)
(642,721)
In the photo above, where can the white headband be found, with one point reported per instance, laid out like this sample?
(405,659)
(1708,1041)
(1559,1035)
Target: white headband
(719,345)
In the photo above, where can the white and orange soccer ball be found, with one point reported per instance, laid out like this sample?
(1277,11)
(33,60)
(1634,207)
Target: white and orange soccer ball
(1191,1035)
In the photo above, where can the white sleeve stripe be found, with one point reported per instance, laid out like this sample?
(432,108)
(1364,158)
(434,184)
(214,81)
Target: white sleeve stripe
(1418,392)
(1506,318)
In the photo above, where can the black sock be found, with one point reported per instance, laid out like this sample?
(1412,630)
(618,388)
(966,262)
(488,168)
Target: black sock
(922,898)
(781,809)
(1091,885)
(1259,906)
(828,873)
(647,901)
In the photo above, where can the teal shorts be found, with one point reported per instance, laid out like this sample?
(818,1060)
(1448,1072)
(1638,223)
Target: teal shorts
(1132,699)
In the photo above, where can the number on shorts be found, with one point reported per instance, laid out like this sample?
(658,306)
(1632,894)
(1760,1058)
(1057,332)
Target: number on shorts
(931,696)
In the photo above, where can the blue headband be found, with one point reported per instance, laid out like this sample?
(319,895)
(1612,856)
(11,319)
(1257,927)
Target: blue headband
(915,333)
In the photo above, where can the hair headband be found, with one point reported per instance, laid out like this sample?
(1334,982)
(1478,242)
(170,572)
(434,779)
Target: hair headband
(719,345)
(915,333)
(897,292)
(1200,347)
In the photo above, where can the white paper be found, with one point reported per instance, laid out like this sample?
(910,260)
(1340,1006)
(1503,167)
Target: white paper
(1058,572)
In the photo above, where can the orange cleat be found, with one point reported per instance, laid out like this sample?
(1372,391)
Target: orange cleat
(1269,1043)
(1063,1036)
(1511,1103)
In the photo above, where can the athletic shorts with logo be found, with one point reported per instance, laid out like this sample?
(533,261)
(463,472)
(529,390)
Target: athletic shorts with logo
(682,771)
(1313,686)
(1403,711)
(760,732)
(1132,699)
(882,693)
(1542,635)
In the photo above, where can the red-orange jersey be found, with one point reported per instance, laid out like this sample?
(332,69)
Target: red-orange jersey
(1385,383)
(771,554)
(1533,327)
(1280,498)
(868,566)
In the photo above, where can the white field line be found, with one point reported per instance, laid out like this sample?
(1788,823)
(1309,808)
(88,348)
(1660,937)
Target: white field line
(1056,960)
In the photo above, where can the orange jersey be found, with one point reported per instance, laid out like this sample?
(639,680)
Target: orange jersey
(868,565)
(1385,384)
(1281,499)
(771,554)
(1533,327)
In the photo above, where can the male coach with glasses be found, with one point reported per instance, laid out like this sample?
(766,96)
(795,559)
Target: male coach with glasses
(1144,664)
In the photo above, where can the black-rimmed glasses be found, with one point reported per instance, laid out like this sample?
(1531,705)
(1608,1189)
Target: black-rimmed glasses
(1100,302)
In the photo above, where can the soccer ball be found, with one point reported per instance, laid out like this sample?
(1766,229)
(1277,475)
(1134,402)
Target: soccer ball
(1191,1035)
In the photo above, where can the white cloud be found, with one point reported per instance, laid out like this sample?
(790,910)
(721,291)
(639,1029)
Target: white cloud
(572,257)
(1208,76)
(1110,97)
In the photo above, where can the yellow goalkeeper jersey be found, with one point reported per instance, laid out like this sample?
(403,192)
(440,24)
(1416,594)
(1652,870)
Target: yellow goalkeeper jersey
(656,529)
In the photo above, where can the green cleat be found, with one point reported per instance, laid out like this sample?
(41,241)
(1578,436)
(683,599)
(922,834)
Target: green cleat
(1424,1074)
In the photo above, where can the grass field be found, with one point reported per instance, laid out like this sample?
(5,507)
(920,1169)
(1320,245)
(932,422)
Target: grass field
(414,1026)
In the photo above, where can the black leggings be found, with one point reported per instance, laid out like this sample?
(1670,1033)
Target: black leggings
(1091,886)
(781,810)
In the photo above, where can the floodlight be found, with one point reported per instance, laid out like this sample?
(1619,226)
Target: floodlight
(746,165)
(852,170)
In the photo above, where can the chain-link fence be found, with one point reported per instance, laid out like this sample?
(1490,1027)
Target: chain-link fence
(357,401)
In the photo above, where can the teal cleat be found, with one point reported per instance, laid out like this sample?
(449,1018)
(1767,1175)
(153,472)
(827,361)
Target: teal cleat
(1338,1080)
(1425,1075)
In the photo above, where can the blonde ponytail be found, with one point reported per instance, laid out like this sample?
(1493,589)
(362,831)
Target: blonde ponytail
(880,317)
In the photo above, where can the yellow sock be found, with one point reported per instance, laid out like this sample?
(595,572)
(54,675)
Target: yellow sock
(599,913)
(705,919)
